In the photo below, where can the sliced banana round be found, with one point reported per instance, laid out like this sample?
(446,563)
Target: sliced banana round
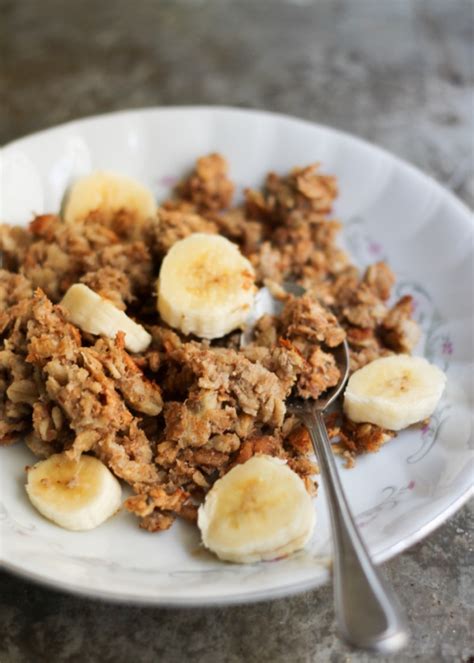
(394,392)
(97,315)
(76,495)
(108,193)
(260,510)
(206,286)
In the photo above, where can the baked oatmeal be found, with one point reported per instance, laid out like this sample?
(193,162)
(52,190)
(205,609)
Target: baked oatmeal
(173,418)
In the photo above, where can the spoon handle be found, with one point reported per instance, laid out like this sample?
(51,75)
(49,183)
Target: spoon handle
(366,610)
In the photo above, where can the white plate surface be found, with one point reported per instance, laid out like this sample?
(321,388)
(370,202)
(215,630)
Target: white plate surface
(390,211)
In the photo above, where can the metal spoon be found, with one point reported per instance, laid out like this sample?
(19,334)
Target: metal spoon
(367,612)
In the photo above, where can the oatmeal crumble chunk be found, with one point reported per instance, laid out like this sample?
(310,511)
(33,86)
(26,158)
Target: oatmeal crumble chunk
(233,381)
(239,228)
(174,225)
(75,381)
(14,242)
(110,283)
(18,393)
(302,190)
(380,279)
(360,438)
(321,374)
(125,224)
(18,387)
(399,331)
(364,308)
(294,339)
(139,393)
(13,289)
(260,444)
(156,521)
(59,254)
(304,318)
(154,496)
(208,187)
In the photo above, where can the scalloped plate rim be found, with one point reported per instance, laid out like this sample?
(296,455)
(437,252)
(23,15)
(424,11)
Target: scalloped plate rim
(16,142)
(238,599)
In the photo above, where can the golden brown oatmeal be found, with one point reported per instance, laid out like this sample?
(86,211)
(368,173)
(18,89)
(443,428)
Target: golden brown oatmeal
(173,419)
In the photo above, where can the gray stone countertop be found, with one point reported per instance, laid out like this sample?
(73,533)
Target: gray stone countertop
(396,72)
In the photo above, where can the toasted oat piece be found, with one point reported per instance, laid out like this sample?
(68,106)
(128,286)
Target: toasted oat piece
(302,317)
(302,247)
(110,283)
(18,394)
(13,289)
(157,497)
(129,455)
(133,259)
(294,340)
(208,187)
(364,309)
(399,331)
(380,279)
(201,415)
(240,383)
(139,393)
(363,438)
(299,440)
(55,256)
(302,190)
(18,387)
(269,445)
(321,373)
(59,255)
(237,226)
(14,242)
(174,225)
(365,346)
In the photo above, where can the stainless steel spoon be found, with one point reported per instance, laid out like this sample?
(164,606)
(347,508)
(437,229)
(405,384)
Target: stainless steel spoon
(367,612)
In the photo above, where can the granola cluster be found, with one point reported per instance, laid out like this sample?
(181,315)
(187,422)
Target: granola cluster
(173,419)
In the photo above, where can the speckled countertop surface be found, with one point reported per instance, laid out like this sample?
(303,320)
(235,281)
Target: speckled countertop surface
(397,72)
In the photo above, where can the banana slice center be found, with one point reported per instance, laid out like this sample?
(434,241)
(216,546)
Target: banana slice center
(398,385)
(215,282)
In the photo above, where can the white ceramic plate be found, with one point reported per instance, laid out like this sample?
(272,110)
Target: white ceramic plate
(390,211)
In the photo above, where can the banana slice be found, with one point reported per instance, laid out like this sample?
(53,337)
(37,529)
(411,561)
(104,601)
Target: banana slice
(260,510)
(96,315)
(206,286)
(394,392)
(109,194)
(76,495)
